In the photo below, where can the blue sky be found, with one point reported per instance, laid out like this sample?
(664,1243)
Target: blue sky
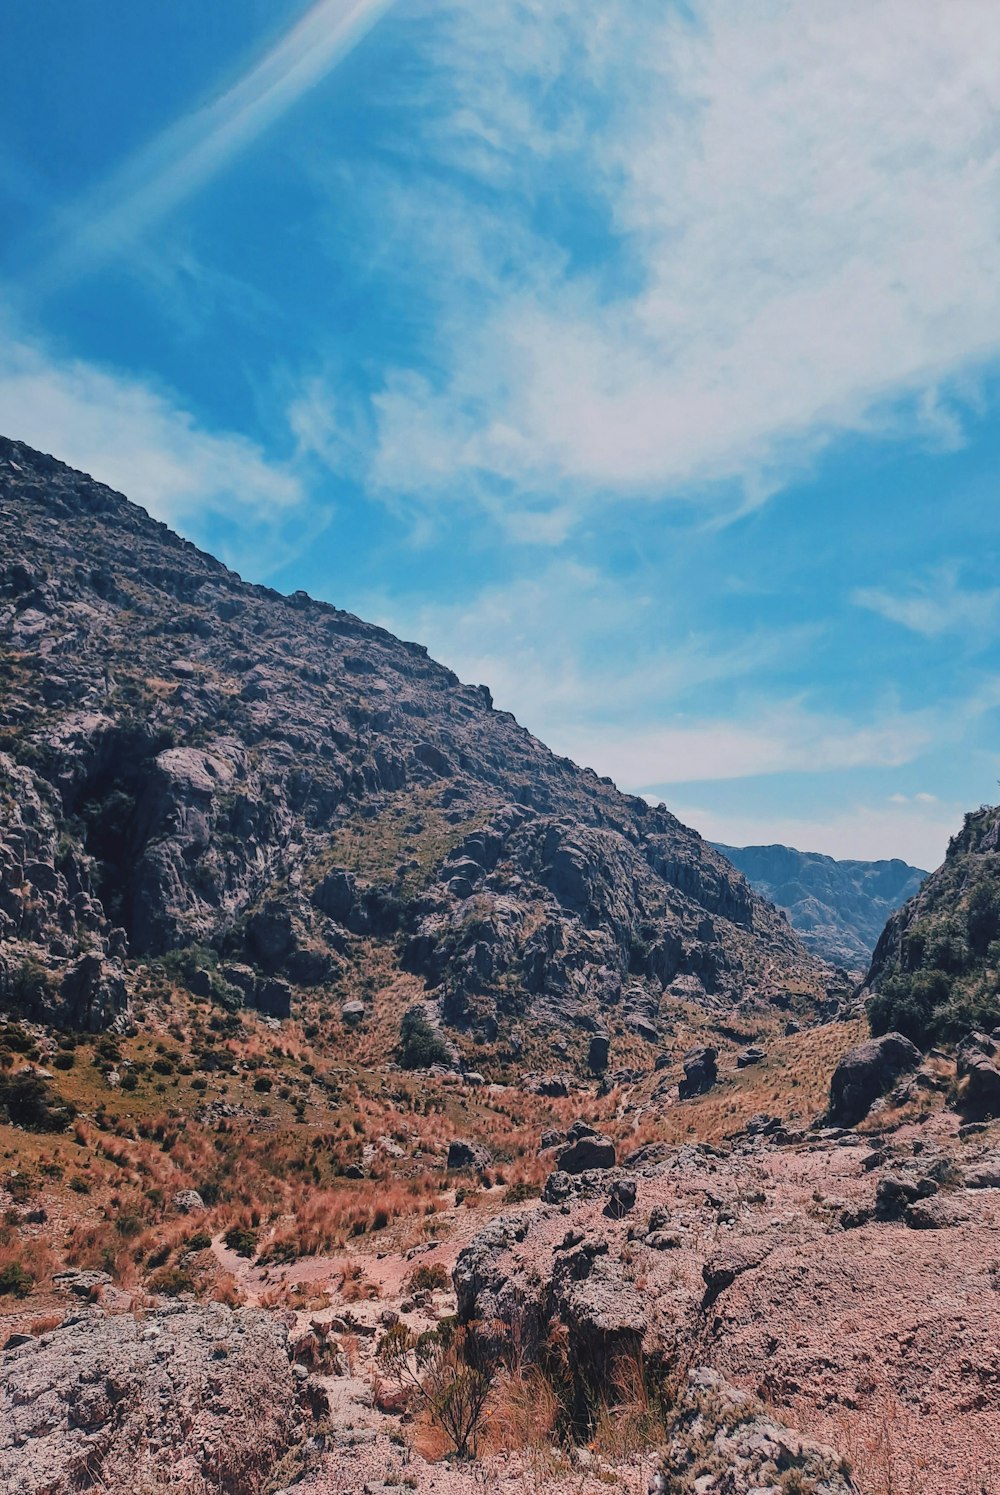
(642,359)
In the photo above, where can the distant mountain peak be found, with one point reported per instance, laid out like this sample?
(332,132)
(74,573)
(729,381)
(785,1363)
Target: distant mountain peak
(838,908)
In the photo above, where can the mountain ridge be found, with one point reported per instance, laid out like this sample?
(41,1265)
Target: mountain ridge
(312,805)
(838,907)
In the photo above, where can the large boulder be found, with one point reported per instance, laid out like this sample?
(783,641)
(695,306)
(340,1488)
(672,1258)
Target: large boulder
(194,1397)
(700,1071)
(462,1154)
(867,1072)
(599,1053)
(722,1439)
(585,1149)
(978,1077)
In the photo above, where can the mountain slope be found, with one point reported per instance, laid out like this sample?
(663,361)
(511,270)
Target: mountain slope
(935,973)
(281,799)
(838,908)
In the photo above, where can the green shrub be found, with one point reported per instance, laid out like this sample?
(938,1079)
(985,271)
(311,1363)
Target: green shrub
(172,1281)
(242,1240)
(419,1045)
(429,1278)
(15,1280)
(29,1101)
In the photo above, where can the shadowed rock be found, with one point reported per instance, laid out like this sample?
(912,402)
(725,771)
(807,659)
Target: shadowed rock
(867,1072)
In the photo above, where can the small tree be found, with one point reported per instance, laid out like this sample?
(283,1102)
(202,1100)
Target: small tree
(451,1370)
(419,1045)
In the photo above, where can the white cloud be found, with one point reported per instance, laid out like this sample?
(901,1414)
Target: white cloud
(864,832)
(137,439)
(198,145)
(775,739)
(937,605)
(804,203)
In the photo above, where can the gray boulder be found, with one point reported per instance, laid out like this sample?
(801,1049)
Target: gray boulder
(583,1152)
(468,1155)
(188,1202)
(978,1085)
(700,1071)
(867,1072)
(599,1053)
(750,1056)
(200,1396)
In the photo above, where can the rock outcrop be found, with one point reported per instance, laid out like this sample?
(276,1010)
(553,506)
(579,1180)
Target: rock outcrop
(867,1072)
(200,1398)
(932,975)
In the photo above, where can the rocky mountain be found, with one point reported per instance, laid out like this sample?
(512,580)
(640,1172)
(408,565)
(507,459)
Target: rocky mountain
(935,973)
(838,908)
(283,803)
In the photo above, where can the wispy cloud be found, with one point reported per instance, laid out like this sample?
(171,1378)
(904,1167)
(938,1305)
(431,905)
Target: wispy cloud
(773,738)
(793,209)
(188,154)
(937,605)
(142,441)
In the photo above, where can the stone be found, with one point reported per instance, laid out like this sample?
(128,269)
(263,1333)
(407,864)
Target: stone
(591,1151)
(894,1192)
(979,1088)
(353,1012)
(599,1053)
(749,1057)
(932,1214)
(468,1155)
(271,996)
(700,1071)
(984,1173)
(621,1199)
(724,1266)
(150,1393)
(188,1202)
(866,1073)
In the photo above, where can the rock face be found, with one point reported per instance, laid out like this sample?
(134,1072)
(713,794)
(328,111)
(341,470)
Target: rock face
(838,908)
(265,788)
(931,976)
(978,1069)
(198,1397)
(470,1155)
(867,1072)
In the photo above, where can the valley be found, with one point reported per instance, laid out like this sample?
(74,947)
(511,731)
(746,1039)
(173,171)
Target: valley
(387,1103)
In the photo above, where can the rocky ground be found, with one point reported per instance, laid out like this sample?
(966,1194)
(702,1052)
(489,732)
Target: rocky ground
(790,1306)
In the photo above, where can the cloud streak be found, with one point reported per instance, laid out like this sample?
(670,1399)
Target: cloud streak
(936,606)
(194,149)
(919,835)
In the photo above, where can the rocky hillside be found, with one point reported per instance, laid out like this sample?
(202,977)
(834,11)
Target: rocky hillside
(839,908)
(278,801)
(935,974)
